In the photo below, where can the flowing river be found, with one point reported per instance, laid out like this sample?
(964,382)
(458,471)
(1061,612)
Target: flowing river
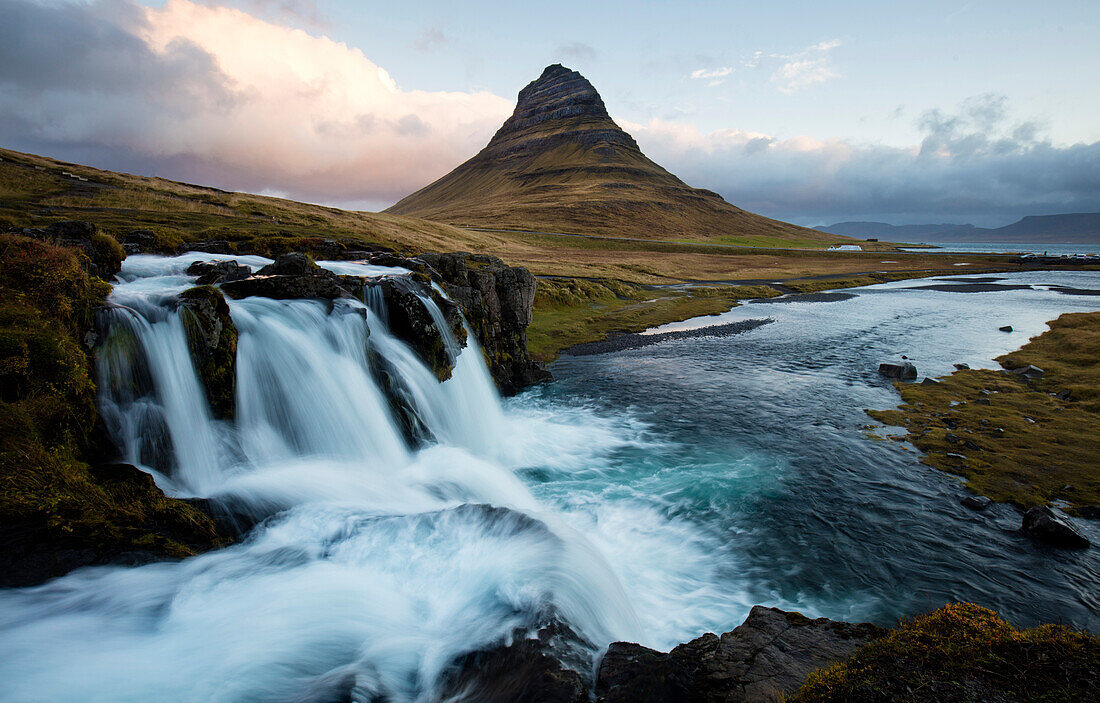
(648,495)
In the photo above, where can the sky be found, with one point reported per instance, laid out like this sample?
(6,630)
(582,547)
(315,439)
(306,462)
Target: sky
(964,112)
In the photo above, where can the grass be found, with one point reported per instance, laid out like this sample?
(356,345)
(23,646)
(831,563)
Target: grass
(574,311)
(51,502)
(1013,439)
(963,653)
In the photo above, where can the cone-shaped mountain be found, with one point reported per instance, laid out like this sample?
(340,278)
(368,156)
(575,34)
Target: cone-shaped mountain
(561,164)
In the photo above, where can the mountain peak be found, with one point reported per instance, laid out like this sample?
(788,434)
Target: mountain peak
(561,164)
(560,102)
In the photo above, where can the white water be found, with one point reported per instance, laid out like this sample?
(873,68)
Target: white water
(378,564)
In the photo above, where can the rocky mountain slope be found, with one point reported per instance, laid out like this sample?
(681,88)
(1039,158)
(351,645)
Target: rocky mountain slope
(560,163)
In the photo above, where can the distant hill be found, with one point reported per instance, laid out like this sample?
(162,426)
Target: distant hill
(1071,228)
(561,164)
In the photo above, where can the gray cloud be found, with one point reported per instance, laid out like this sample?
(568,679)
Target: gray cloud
(975,164)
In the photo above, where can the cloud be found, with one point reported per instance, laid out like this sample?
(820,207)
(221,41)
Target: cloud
(431,39)
(973,164)
(717,76)
(219,96)
(804,68)
(577,51)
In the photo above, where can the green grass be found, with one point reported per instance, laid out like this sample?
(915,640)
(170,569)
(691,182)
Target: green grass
(963,653)
(574,311)
(1026,446)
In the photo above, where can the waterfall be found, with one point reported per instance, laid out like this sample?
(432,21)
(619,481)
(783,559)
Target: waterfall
(375,565)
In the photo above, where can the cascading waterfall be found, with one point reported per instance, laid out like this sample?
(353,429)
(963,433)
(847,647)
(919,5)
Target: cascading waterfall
(376,565)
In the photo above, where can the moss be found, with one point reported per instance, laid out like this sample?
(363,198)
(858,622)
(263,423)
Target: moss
(212,341)
(963,652)
(106,252)
(55,514)
(574,311)
(1015,439)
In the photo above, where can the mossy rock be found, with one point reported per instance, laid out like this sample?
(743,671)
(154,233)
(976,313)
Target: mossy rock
(212,341)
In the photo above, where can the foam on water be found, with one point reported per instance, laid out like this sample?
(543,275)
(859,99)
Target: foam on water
(377,563)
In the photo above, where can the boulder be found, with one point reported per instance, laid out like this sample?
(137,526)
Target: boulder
(1006,328)
(765,658)
(905,372)
(1028,371)
(978,503)
(410,320)
(497,300)
(1045,525)
(212,341)
(524,671)
(929,382)
(962,367)
(323,286)
(292,264)
(211,272)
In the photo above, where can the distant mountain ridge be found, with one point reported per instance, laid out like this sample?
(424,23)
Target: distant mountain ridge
(561,164)
(1070,228)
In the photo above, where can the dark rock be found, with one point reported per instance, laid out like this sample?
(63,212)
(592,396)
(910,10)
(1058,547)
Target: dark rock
(139,241)
(929,382)
(209,246)
(962,367)
(212,341)
(952,438)
(904,371)
(1089,512)
(765,658)
(103,254)
(497,300)
(410,320)
(211,272)
(982,401)
(967,444)
(524,671)
(950,423)
(292,264)
(1064,394)
(976,502)
(321,286)
(1028,371)
(1044,525)
(1006,328)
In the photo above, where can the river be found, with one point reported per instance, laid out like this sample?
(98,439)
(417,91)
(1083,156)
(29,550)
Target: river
(649,495)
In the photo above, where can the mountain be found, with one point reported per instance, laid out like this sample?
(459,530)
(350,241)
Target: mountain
(561,164)
(1070,228)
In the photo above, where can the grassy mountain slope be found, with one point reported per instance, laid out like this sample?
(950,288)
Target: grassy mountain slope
(561,164)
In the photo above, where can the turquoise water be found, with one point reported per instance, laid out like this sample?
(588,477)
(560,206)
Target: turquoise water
(760,446)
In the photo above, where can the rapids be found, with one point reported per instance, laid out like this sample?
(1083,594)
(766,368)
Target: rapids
(649,495)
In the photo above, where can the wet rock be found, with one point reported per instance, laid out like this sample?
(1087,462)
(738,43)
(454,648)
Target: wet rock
(905,372)
(323,285)
(211,272)
(976,502)
(212,341)
(399,397)
(929,382)
(1045,525)
(410,320)
(497,300)
(210,246)
(962,367)
(292,264)
(765,658)
(139,241)
(524,671)
(1006,328)
(1089,512)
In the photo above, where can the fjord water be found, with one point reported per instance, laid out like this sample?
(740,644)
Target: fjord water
(649,495)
